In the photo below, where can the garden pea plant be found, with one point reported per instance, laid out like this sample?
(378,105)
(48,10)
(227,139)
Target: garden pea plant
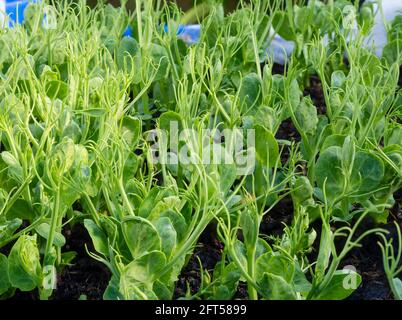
(199,169)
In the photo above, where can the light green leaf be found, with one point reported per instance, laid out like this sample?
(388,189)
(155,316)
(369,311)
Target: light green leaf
(274,287)
(250,92)
(398,288)
(329,171)
(145,269)
(141,236)
(282,25)
(168,235)
(306,116)
(267,150)
(56,89)
(341,286)
(98,237)
(24,264)
(131,130)
(302,190)
(249,224)
(367,173)
(275,264)
(44,229)
(126,52)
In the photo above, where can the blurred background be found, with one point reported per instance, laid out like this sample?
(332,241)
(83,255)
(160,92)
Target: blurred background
(184,4)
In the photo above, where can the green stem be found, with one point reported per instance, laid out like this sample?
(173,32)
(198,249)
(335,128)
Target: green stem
(252,292)
(53,223)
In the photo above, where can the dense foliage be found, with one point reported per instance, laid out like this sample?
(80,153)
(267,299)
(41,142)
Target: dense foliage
(77,102)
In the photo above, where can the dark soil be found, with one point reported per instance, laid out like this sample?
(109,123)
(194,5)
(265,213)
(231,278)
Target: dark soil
(207,252)
(85,276)
(316,93)
(274,221)
(287,131)
(368,262)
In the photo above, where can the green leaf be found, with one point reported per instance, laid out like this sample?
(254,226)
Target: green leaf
(145,269)
(306,116)
(392,52)
(367,173)
(148,204)
(131,130)
(67,258)
(266,117)
(227,279)
(348,151)
(169,117)
(394,135)
(44,229)
(178,221)
(56,89)
(8,228)
(250,92)
(324,252)
(112,291)
(282,26)
(249,224)
(329,171)
(227,176)
(98,237)
(366,17)
(168,235)
(335,140)
(294,94)
(302,190)
(4,278)
(162,290)
(14,167)
(398,288)
(130,167)
(92,112)
(337,79)
(24,265)
(300,281)
(141,236)
(302,17)
(267,150)
(241,253)
(127,50)
(9,159)
(160,206)
(21,209)
(159,61)
(275,264)
(274,287)
(341,286)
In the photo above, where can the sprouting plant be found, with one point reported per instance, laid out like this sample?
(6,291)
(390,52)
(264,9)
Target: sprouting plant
(392,261)
(88,113)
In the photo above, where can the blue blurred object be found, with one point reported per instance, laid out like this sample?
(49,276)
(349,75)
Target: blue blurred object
(128,32)
(180,29)
(188,33)
(14,9)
